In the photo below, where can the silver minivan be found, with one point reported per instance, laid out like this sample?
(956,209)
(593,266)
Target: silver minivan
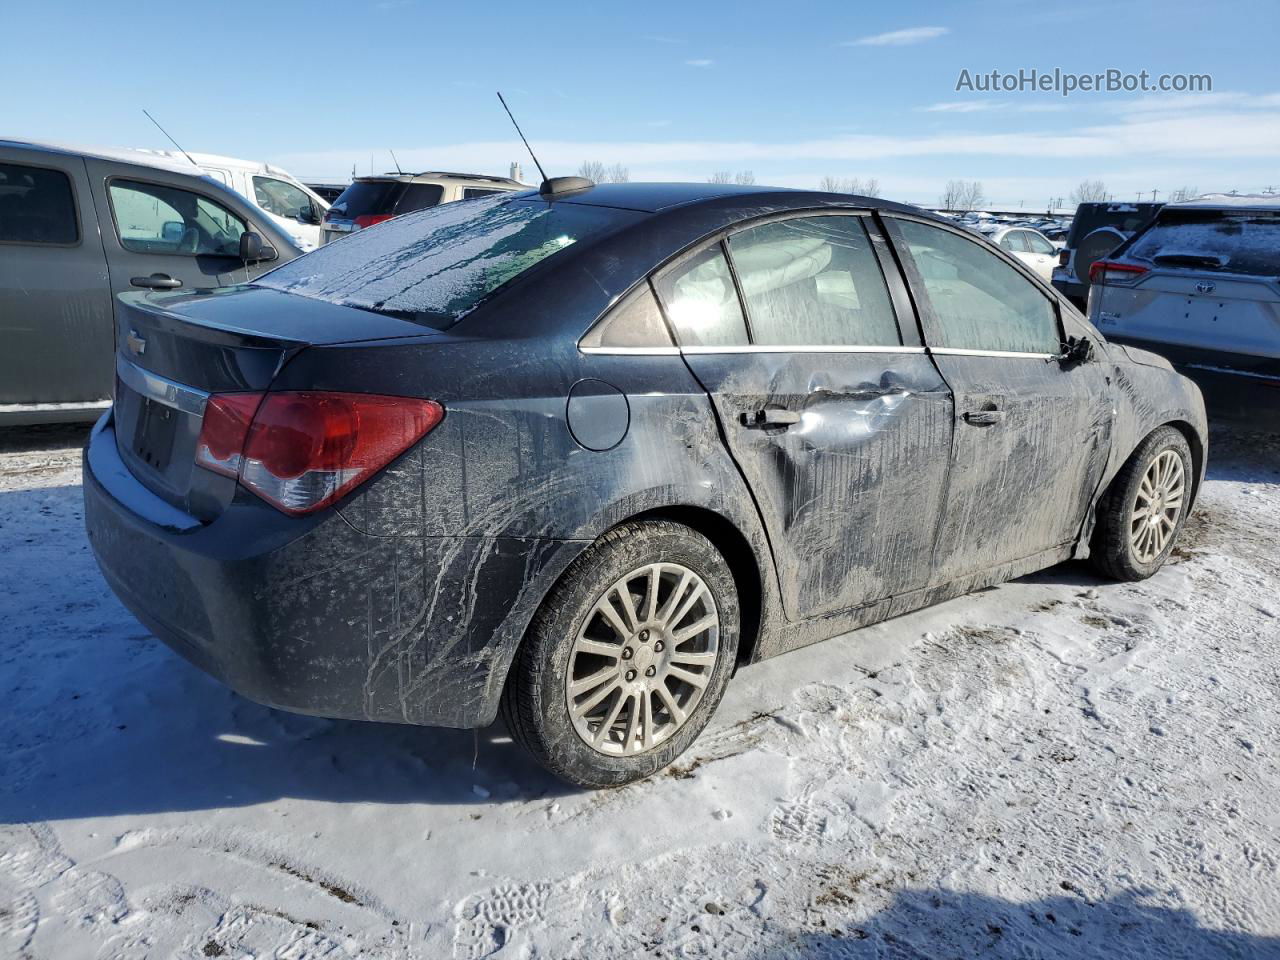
(78,227)
(1201,285)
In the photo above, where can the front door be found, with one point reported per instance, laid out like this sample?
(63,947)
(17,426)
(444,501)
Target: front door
(55,297)
(161,231)
(1032,434)
(841,429)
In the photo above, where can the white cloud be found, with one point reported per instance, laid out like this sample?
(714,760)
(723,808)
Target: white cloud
(699,63)
(899,38)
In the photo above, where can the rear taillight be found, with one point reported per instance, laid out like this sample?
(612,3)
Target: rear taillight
(1063,257)
(369,219)
(1108,271)
(302,450)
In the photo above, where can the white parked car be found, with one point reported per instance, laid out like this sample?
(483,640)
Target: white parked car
(1199,284)
(1031,247)
(295,207)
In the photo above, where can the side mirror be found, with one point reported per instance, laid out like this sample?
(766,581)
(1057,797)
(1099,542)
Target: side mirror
(171,231)
(253,250)
(1075,350)
(308,215)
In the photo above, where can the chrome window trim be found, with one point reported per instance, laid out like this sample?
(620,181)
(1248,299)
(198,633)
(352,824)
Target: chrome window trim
(161,389)
(962,352)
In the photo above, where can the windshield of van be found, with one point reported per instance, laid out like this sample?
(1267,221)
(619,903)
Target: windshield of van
(434,266)
(1212,240)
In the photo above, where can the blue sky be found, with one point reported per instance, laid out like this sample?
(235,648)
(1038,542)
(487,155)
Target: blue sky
(671,90)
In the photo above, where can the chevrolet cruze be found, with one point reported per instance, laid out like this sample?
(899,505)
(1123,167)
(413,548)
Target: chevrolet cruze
(574,455)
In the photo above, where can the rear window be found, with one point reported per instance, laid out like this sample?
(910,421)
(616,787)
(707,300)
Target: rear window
(1212,240)
(1126,217)
(367,198)
(419,196)
(436,265)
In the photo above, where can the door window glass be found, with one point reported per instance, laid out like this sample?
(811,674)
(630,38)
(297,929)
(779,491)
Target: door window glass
(419,196)
(978,301)
(813,281)
(151,218)
(1036,243)
(702,303)
(36,206)
(282,198)
(1014,241)
(469,192)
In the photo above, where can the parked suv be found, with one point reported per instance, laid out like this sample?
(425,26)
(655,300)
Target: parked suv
(1201,285)
(78,227)
(1096,230)
(371,200)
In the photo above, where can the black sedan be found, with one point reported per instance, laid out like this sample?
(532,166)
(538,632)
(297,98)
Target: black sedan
(577,454)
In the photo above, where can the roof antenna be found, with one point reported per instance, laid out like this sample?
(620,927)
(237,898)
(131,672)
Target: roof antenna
(551,186)
(395,161)
(171,140)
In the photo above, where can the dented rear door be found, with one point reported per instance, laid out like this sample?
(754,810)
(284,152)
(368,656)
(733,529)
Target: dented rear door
(841,429)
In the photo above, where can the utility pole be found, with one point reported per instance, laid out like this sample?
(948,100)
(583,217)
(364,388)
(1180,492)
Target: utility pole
(1153,195)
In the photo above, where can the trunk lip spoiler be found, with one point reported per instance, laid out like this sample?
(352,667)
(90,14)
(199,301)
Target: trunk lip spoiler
(179,396)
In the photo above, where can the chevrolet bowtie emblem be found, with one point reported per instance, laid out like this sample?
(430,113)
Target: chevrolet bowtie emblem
(137,344)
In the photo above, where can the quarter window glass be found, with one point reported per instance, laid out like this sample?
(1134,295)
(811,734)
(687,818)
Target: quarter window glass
(979,302)
(36,206)
(281,198)
(635,322)
(155,219)
(813,281)
(702,303)
(469,192)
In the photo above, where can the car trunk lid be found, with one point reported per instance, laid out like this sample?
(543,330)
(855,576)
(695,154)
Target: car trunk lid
(174,352)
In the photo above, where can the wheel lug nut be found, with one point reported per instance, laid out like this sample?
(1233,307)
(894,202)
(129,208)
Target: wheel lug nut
(658,646)
(644,636)
(652,671)
(631,675)
(626,653)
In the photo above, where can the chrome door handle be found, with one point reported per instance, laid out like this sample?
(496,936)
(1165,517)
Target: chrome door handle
(771,417)
(984,417)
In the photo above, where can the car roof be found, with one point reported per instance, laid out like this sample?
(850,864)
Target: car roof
(1269,202)
(430,176)
(146,158)
(657,197)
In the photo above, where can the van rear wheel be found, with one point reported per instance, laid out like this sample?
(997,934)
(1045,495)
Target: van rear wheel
(628,656)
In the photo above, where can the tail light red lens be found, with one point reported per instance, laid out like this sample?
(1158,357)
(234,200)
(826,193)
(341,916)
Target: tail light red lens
(1063,257)
(369,219)
(1108,271)
(302,450)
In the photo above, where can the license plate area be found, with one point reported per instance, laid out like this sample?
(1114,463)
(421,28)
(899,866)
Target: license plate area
(154,433)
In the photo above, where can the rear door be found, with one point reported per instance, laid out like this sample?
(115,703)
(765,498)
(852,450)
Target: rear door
(55,296)
(164,231)
(1031,435)
(838,421)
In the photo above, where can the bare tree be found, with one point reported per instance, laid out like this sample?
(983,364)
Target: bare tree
(962,195)
(744,177)
(865,188)
(720,176)
(1183,193)
(1089,191)
(597,172)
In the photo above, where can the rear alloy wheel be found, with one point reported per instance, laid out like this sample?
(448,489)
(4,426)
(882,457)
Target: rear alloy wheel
(1143,510)
(628,657)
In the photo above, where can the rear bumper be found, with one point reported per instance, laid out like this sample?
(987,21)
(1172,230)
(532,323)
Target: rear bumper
(312,616)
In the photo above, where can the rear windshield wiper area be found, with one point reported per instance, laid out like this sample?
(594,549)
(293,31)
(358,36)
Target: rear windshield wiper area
(1189,260)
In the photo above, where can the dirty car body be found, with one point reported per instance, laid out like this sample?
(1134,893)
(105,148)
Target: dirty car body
(638,358)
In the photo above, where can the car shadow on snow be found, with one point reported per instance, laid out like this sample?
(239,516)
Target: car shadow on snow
(943,923)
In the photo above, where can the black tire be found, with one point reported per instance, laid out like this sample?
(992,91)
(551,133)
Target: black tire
(535,704)
(1112,551)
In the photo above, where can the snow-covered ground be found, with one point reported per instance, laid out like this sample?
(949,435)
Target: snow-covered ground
(1058,767)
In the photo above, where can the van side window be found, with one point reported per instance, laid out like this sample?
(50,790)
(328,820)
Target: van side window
(469,192)
(36,206)
(151,218)
(281,198)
